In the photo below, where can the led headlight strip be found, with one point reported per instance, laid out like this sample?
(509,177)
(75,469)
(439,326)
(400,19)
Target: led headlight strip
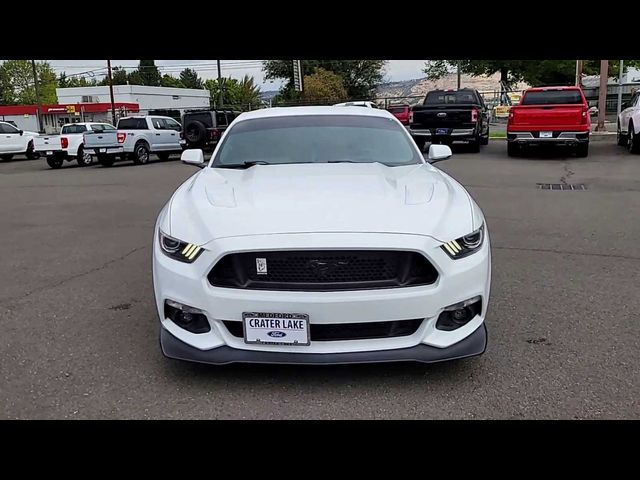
(466,245)
(190,251)
(179,250)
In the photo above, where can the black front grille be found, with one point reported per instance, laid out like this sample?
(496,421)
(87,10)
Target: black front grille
(322,270)
(347,331)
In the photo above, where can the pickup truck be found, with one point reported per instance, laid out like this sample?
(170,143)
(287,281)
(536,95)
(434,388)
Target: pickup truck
(69,144)
(136,138)
(401,112)
(447,116)
(550,116)
(14,141)
(629,124)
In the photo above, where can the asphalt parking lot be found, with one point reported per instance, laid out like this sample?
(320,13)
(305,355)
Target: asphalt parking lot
(80,332)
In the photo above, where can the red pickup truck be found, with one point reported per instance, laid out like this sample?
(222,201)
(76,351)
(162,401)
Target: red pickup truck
(550,115)
(401,112)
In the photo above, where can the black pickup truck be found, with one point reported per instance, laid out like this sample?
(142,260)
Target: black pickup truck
(447,116)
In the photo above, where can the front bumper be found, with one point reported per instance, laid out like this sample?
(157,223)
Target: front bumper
(458,280)
(475,344)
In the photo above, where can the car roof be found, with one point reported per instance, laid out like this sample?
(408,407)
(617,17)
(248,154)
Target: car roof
(86,123)
(296,111)
(542,89)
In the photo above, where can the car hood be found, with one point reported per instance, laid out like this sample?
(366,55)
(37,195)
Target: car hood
(302,198)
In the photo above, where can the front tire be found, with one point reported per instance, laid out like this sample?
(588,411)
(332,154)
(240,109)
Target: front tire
(633,142)
(141,153)
(83,158)
(54,162)
(620,138)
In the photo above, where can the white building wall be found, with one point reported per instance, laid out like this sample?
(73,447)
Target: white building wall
(149,98)
(29,123)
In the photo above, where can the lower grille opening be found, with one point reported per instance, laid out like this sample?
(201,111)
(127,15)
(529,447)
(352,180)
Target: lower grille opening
(322,270)
(348,331)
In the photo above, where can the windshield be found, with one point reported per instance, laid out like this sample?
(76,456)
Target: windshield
(317,139)
(546,97)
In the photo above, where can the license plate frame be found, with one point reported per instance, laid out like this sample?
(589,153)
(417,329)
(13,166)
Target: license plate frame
(442,131)
(546,134)
(273,328)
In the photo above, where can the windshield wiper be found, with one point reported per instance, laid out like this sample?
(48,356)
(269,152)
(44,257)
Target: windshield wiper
(247,164)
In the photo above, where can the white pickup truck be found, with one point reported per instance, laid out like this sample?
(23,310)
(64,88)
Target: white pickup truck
(629,124)
(69,144)
(14,141)
(136,138)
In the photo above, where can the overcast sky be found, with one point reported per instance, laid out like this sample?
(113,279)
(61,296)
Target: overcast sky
(396,69)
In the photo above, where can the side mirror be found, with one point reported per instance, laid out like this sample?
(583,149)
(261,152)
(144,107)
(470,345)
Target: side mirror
(193,157)
(21,132)
(438,153)
(625,105)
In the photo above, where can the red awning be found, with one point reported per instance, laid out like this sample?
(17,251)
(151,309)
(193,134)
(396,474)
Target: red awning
(77,107)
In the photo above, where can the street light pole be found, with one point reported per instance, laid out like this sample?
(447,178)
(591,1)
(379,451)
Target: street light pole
(602,94)
(578,73)
(220,85)
(620,87)
(113,105)
(35,84)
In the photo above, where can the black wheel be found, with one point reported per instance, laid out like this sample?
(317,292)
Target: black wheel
(485,140)
(195,132)
(30,154)
(105,160)
(512,149)
(582,150)
(83,158)
(141,153)
(633,142)
(54,162)
(6,157)
(420,142)
(474,145)
(164,155)
(620,137)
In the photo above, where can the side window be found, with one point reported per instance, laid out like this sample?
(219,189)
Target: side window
(107,128)
(172,125)
(73,129)
(97,128)
(158,123)
(5,128)
(221,119)
(636,102)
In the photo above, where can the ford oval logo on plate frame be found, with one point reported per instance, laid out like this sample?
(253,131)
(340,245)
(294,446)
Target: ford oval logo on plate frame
(277,334)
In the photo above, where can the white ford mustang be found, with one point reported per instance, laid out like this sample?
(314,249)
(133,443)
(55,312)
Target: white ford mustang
(320,235)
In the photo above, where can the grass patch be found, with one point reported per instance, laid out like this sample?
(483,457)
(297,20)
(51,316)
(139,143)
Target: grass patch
(497,134)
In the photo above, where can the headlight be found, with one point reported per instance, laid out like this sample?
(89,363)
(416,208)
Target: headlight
(464,246)
(179,250)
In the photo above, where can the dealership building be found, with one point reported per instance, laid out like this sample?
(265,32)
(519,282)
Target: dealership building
(93,104)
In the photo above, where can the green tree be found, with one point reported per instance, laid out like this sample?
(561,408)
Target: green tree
(170,81)
(241,95)
(149,74)
(248,93)
(533,72)
(119,76)
(18,87)
(189,79)
(360,77)
(324,87)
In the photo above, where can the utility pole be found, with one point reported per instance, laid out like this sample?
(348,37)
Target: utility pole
(113,105)
(35,84)
(458,74)
(602,94)
(220,86)
(578,73)
(620,86)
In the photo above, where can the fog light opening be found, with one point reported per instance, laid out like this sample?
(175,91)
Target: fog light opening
(191,319)
(459,314)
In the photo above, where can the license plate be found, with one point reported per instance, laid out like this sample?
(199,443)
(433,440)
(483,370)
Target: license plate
(546,134)
(49,153)
(183,142)
(276,328)
(442,131)
(102,150)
